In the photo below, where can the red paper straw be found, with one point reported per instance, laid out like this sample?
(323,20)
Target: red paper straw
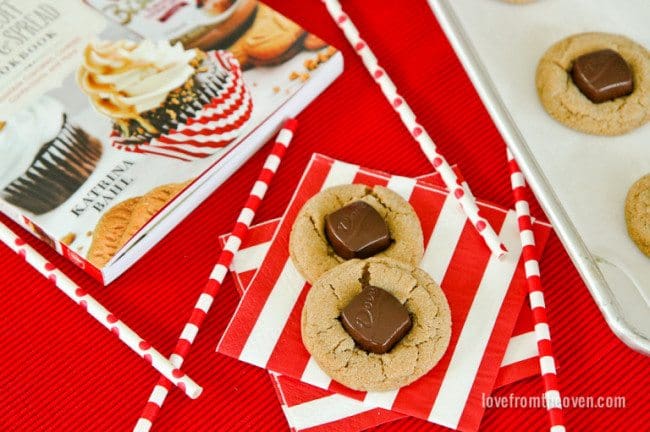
(460,190)
(218,274)
(536,298)
(99,312)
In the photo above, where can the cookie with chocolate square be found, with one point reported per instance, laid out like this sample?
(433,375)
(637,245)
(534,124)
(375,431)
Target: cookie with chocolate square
(354,221)
(597,83)
(376,324)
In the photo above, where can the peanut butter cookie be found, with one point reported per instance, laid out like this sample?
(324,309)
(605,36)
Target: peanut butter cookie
(123,220)
(637,213)
(335,350)
(564,101)
(312,249)
(272,39)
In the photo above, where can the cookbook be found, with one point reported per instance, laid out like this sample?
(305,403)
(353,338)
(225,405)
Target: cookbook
(118,118)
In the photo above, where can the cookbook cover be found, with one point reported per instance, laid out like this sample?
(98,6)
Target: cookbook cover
(117,118)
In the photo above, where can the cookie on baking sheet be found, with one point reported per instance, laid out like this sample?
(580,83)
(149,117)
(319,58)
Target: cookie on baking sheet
(309,244)
(123,220)
(271,39)
(335,350)
(637,213)
(565,101)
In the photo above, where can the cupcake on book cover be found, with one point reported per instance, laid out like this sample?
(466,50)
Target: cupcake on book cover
(165,100)
(45,157)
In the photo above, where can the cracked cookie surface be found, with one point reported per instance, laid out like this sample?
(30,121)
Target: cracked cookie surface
(565,102)
(637,213)
(312,254)
(334,349)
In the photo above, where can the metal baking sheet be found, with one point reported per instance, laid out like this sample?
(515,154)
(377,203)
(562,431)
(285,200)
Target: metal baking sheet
(581,180)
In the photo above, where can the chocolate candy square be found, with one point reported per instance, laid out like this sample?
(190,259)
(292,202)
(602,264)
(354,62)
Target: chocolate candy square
(376,320)
(357,231)
(602,75)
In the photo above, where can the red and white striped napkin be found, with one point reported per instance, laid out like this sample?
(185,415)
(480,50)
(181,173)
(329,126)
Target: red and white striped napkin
(485,296)
(301,401)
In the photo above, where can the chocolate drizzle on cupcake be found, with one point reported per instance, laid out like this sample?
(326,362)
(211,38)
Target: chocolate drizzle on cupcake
(181,105)
(50,163)
(59,168)
(147,88)
(165,100)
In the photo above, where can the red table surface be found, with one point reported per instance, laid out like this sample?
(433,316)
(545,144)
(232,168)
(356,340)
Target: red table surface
(62,371)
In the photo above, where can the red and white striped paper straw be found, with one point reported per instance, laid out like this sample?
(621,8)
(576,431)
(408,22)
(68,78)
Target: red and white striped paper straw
(218,274)
(99,312)
(460,190)
(536,298)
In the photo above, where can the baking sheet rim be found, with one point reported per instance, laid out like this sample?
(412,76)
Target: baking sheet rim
(582,258)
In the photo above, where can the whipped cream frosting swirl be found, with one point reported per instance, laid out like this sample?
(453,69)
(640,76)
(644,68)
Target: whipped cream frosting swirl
(125,79)
(24,133)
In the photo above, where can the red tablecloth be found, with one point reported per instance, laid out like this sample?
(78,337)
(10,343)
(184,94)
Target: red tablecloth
(62,371)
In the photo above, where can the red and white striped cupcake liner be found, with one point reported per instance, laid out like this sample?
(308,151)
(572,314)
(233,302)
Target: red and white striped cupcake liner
(213,127)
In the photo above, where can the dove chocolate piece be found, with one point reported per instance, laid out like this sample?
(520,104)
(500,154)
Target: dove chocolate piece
(357,231)
(602,75)
(376,320)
